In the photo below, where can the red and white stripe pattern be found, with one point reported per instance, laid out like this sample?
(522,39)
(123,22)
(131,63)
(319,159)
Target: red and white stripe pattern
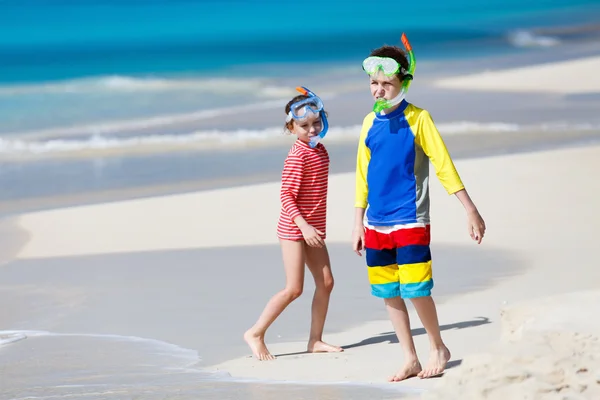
(304,190)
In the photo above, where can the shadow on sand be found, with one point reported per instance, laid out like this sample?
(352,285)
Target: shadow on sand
(390,337)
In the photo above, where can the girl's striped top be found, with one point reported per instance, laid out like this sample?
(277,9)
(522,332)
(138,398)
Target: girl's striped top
(304,182)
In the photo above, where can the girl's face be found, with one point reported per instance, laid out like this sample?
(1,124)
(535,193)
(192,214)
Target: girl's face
(307,127)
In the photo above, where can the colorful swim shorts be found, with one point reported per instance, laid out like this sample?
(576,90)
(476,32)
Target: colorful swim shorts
(399,261)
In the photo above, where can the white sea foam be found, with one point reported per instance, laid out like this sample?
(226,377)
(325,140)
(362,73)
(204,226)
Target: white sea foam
(185,357)
(259,87)
(524,38)
(6,338)
(124,126)
(209,139)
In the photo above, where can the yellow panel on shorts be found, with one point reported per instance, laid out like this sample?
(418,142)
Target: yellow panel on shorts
(382,275)
(415,273)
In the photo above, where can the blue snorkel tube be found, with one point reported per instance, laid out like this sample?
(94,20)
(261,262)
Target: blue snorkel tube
(316,139)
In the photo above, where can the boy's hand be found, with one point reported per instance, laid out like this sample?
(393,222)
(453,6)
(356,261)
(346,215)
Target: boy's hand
(475,226)
(358,239)
(311,236)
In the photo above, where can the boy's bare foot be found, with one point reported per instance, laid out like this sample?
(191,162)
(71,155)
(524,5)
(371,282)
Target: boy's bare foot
(258,346)
(319,346)
(436,364)
(410,369)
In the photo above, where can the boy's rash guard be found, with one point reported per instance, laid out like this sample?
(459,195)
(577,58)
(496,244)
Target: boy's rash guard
(392,168)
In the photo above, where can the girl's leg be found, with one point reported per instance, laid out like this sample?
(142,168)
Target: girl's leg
(293,262)
(317,260)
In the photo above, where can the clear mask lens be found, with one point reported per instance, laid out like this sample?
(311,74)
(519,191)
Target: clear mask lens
(306,107)
(389,66)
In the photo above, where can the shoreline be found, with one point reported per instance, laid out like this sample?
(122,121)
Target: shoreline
(466,146)
(108,176)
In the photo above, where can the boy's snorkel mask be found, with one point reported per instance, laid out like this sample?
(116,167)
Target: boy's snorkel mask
(300,110)
(389,66)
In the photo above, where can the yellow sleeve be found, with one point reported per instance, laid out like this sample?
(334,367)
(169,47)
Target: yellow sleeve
(430,140)
(363,156)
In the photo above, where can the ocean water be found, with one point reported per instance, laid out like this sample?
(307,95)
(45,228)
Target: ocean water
(81,76)
(46,365)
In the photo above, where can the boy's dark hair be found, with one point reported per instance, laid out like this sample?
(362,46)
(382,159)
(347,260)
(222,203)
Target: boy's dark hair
(394,52)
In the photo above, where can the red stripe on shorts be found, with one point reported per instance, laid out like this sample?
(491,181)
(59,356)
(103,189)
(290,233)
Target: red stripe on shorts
(398,238)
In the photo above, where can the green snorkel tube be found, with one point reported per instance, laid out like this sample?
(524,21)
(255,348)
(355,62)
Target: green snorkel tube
(382,104)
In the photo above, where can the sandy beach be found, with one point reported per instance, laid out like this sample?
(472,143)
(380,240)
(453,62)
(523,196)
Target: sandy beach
(524,225)
(555,78)
(522,228)
(159,290)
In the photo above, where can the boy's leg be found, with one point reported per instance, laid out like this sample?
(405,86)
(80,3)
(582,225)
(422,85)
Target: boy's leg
(400,320)
(416,282)
(293,262)
(318,262)
(383,277)
(439,355)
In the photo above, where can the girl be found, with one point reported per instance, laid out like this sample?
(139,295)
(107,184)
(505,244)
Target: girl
(301,225)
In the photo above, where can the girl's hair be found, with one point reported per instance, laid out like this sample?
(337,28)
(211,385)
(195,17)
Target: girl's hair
(287,127)
(288,106)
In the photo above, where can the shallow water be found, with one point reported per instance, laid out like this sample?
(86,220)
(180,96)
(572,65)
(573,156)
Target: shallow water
(54,366)
(89,320)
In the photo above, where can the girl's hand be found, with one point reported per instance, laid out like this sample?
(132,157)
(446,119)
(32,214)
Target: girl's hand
(475,226)
(311,236)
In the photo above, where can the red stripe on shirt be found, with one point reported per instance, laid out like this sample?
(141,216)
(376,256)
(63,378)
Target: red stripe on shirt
(304,183)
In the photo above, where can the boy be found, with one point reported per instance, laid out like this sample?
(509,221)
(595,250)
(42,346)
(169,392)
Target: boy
(392,220)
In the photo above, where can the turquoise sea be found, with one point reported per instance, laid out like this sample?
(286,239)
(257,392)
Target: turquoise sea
(69,64)
(84,79)
(50,40)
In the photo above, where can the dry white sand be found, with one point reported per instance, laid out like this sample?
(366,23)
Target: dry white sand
(540,205)
(550,349)
(566,77)
(225,217)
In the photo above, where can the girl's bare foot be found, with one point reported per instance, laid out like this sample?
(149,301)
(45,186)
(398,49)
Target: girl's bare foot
(436,365)
(258,346)
(410,369)
(319,346)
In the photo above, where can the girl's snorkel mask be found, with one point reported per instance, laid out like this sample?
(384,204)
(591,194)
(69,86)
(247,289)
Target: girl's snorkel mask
(389,66)
(301,109)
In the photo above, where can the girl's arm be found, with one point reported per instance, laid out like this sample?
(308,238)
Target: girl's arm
(291,179)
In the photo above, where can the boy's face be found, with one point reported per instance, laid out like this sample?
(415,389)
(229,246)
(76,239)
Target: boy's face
(383,86)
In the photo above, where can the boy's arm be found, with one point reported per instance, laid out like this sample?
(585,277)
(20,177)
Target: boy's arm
(475,223)
(363,156)
(434,147)
(428,137)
